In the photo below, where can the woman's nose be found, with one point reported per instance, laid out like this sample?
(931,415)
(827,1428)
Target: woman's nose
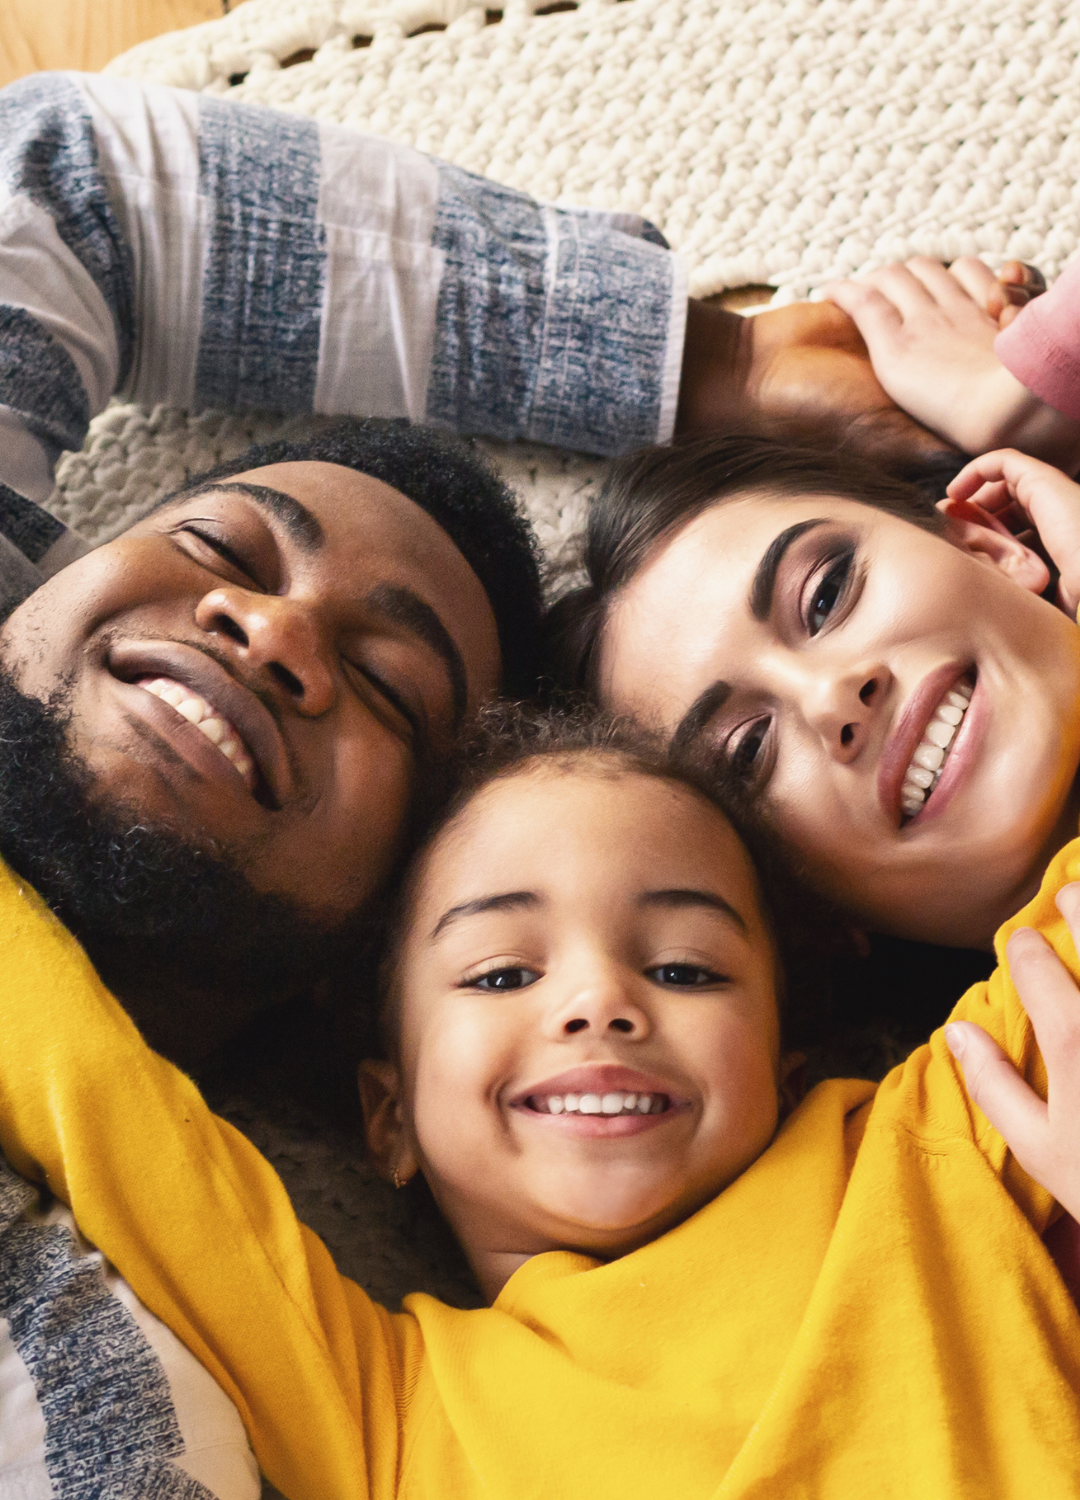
(843,705)
(277,640)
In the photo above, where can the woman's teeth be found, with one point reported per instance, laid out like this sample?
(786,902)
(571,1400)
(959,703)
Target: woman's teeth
(198,712)
(926,765)
(599,1104)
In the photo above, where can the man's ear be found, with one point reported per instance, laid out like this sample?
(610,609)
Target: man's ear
(975,530)
(792,1082)
(388,1144)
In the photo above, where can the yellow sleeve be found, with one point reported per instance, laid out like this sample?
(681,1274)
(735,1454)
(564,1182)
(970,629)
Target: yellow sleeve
(197,1221)
(926,1096)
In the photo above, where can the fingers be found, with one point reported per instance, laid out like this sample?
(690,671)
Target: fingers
(873,314)
(1011,1106)
(1004,466)
(1050,997)
(976,278)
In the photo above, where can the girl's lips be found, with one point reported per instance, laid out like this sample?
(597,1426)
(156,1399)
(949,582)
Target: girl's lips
(908,733)
(602,1081)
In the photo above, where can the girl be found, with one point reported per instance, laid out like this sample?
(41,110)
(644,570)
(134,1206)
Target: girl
(588,1052)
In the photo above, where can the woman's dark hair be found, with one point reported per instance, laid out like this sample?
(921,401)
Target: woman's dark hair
(654,493)
(511,738)
(453,482)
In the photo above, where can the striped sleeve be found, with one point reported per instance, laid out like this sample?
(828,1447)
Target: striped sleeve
(178,248)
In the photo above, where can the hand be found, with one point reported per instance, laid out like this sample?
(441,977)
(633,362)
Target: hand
(1044,1137)
(1016,493)
(1012,288)
(930,333)
(799,373)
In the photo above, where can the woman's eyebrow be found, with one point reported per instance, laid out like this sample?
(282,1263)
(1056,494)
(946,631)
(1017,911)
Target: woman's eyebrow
(302,525)
(700,714)
(679,897)
(761,590)
(507,901)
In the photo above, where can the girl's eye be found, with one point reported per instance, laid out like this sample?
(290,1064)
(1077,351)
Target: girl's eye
(683,976)
(744,755)
(504,979)
(828,590)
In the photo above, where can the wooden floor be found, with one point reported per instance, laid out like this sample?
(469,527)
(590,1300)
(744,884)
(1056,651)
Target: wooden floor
(37,34)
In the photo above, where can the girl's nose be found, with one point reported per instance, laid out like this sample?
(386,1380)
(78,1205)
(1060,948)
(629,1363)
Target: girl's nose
(603,1007)
(278,642)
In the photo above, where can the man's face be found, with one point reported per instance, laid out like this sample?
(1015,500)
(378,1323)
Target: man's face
(268,667)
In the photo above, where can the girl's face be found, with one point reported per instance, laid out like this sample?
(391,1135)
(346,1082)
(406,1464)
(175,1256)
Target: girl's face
(812,643)
(589,1044)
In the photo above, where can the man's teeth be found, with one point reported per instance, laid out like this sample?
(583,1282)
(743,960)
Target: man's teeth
(599,1104)
(198,712)
(926,764)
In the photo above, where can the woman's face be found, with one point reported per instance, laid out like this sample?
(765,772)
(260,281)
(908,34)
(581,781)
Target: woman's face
(812,643)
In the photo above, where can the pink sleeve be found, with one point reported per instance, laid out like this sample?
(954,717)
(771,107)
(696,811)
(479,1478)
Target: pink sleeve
(1042,346)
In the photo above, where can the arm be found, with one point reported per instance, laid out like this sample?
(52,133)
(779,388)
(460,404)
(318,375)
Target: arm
(1042,1133)
(312,1365)
(940,355)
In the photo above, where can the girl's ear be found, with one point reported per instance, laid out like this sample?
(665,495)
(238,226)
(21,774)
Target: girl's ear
(387,1139)
(792,1083)
(975,530)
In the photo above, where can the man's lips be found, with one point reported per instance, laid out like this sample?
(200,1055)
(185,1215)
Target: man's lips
(910,728)
(131,661)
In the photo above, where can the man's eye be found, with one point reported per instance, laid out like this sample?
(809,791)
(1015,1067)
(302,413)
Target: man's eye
(745,754)
(683,976)
(222,548)
(828,591)
(512,978)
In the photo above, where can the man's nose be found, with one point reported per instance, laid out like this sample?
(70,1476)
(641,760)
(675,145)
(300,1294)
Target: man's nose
(602,1006)
(277,640)
(842,702)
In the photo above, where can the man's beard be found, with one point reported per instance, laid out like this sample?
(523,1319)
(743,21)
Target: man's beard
(171,925)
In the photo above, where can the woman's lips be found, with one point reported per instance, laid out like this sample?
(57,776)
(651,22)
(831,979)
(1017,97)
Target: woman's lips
(905,739)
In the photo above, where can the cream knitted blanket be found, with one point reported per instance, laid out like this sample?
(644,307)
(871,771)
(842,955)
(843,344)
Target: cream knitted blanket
(779,141)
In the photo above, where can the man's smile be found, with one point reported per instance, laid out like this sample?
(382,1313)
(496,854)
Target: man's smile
(196,693)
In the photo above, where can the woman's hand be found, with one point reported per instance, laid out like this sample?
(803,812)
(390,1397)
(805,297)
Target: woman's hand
(930,333)
(1043,1136)
(1021,495)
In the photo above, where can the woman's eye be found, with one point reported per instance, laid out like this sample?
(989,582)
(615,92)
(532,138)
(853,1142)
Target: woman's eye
(828,591)
(744,755)
(683,976)
(512,978)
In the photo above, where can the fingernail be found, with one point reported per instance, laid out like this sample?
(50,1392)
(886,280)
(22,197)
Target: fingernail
(955,1040)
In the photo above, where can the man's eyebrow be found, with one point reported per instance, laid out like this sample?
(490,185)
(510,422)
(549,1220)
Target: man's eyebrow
(761,590)
(507,901)
(402,607)
(304,527)
(698,715)
(680,897)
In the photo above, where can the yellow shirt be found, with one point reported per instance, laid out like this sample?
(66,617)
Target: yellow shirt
(867,1311)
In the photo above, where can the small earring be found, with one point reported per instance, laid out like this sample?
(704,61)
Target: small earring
(399,1181)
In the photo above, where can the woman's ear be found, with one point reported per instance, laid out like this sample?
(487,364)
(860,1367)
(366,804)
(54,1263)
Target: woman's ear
(384,1128)
(975,530)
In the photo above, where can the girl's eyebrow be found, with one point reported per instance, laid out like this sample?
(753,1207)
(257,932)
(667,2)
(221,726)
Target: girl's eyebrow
(681,897)
(761,590)
(508,901)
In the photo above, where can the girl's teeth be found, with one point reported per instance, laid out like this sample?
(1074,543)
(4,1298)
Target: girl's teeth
(197,711)
(924,771)
(600,1104)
